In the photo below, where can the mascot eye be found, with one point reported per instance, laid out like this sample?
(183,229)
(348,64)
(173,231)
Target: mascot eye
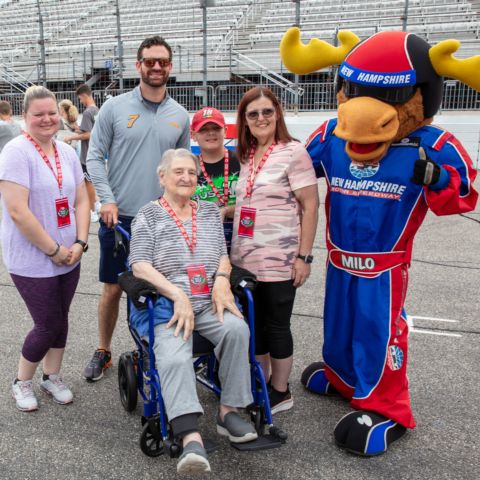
(385,94)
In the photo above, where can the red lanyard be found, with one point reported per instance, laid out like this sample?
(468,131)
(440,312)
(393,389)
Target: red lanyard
(193,242)
(252,171)
(58,176)
(224,200)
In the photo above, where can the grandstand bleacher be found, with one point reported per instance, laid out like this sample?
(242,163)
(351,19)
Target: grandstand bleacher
(81,38)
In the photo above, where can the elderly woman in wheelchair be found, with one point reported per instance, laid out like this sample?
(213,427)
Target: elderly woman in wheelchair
(178,246)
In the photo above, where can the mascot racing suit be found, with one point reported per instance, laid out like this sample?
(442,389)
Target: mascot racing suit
(373,213)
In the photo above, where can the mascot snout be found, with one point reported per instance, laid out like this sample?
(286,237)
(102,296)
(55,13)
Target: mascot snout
(368,126)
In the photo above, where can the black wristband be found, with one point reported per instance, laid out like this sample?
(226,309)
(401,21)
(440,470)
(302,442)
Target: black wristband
(306,258)
(55,252)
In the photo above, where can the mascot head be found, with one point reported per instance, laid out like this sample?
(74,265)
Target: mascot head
(387,85)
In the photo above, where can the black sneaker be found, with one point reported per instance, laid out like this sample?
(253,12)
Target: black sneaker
(280,401)
(101,360)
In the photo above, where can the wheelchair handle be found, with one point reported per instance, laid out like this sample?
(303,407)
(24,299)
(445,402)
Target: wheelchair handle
(121,230)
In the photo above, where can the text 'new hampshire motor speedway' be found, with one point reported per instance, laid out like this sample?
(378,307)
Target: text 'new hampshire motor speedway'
(367,188)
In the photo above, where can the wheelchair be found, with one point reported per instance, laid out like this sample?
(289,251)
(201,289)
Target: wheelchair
(137,374)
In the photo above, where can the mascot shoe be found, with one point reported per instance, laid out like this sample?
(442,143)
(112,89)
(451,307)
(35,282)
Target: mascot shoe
(366,433)
(315,380)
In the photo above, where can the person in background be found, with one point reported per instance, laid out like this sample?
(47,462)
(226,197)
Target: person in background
(133,130)
(274,228)
(85,96)
(44,234)
(219,166)
(69,116)
(9,128)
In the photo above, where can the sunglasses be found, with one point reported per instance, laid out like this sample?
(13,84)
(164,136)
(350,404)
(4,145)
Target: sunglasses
(254,114)
(392,95)
(150,62)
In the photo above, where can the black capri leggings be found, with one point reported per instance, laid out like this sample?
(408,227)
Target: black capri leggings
(273,310)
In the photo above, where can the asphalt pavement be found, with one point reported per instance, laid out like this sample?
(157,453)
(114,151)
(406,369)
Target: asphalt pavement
(94,438)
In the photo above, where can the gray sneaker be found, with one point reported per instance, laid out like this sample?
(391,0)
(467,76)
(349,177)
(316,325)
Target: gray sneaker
(236,428)
(193,459)
(100,361)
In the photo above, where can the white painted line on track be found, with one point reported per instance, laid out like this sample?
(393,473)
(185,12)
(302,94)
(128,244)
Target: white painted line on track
(433,319)
(429,332)
(412,329)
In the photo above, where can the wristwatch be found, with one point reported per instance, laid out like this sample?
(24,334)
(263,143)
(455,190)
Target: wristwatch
(83,244)
(306,258)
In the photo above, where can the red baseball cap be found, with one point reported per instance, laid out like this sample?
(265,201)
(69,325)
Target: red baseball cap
(207,115)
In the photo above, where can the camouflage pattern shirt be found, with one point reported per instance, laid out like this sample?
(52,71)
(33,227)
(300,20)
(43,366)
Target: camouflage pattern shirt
(271,252)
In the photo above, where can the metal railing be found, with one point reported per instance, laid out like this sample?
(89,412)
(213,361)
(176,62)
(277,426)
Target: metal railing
(266,74)
(16,81)
(458,96)
(316,97)
(223,48)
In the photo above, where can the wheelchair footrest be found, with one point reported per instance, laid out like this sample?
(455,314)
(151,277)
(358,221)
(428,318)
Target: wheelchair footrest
(264,442)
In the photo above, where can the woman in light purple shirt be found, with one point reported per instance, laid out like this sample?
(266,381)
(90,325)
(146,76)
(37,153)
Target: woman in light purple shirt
(44,233)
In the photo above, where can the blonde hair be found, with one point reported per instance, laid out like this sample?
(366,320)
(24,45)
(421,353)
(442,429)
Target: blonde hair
(70,110)
(36,92)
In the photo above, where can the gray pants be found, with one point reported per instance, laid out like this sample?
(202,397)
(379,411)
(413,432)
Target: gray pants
(173,357)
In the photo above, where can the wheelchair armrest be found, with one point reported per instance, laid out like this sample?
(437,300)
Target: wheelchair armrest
(137,289)
(240,279)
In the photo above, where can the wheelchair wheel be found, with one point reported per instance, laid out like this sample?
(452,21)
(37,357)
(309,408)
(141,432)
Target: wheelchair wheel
(150,444)
(127,382)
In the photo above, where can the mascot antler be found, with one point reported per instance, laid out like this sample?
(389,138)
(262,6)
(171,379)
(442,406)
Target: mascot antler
(445,64)
(302,59)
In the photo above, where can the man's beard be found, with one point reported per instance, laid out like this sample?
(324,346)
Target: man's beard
(155,83)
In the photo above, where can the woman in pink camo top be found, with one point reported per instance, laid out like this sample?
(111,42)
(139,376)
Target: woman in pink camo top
(274,228)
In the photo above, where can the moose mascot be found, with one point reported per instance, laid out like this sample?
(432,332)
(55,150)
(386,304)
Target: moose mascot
(385,166)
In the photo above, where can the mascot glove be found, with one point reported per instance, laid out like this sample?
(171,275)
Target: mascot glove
(427,172)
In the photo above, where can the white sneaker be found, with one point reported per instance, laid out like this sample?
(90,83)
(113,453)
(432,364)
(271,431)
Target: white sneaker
(22,392)
(55,387)
(93,216)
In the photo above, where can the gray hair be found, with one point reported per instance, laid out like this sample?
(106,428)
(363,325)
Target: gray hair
(36,92)
(170,155)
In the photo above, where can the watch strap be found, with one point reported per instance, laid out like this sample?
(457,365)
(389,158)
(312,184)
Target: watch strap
(306,258)
(83,244)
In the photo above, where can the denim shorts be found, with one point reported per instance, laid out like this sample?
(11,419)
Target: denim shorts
(112,264)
